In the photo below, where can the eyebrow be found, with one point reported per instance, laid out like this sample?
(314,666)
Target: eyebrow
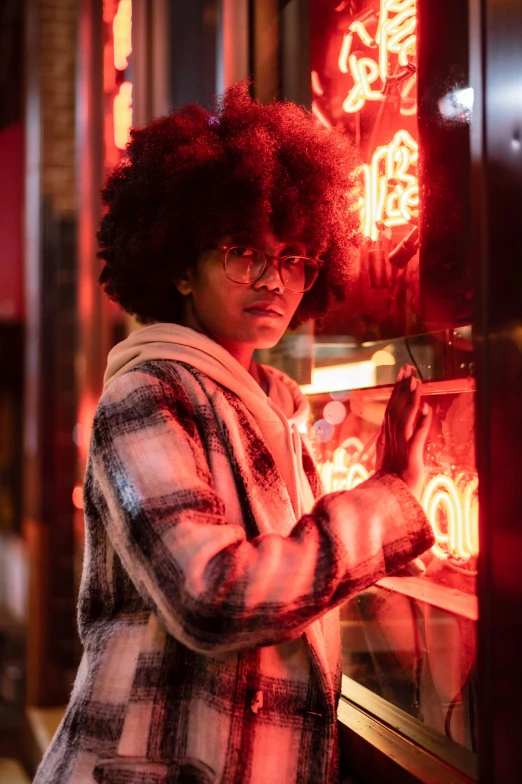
(249,238)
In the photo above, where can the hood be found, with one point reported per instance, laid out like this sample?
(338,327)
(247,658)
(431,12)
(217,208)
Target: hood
(174,342)
(279,412)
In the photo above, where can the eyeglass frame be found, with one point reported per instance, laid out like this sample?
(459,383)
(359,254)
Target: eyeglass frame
(269,257)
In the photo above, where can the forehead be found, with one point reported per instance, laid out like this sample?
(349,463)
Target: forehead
(266,240)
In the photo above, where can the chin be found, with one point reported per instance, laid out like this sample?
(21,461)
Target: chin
(267,341)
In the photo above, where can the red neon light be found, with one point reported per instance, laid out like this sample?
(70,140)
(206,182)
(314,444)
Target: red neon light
(391,188)
(345,52)
(460,510)
(123,115)
(317,87)
(122,34)
(395,36)
(77,497)
(320,116)
(365,72)
(450,505)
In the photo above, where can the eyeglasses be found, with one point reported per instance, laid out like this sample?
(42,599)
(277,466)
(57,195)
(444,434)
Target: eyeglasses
(247,265)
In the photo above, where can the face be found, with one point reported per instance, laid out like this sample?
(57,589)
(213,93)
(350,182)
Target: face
(251,315)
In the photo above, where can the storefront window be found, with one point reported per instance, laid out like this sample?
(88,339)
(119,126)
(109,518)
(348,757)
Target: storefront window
(411,639)
(393,75)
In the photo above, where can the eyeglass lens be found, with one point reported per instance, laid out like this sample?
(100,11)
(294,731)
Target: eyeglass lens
(246,265)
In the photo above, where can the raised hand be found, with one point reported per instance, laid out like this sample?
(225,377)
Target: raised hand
(400,446)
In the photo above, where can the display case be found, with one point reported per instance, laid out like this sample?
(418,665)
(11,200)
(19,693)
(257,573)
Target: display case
(409,643)
(394,76)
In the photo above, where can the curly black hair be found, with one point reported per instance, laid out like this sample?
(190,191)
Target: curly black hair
(192,177)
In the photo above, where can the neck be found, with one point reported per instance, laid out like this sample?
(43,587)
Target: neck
(240,351)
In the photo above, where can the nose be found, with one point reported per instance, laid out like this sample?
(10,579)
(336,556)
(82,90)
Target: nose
(270,279)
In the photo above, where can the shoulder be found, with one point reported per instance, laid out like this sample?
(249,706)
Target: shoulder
(146,395)
(159,376)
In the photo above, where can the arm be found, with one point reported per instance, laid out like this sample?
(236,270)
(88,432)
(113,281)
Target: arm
(214,590)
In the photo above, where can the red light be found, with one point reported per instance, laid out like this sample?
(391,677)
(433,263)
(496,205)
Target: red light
(391,188)
(320,116)
(334,412)
(451,505)
(395,36)
(317,88)
(77,497)
(122,33)
(123,115)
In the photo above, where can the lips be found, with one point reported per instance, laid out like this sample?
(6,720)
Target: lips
(265,308)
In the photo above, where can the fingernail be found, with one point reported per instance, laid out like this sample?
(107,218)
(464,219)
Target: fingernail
(413,384)
(400,374)
(424,409)
(407,371)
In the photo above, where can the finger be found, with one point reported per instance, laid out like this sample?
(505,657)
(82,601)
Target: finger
(380,446)
(410,409)
(396,387)
(422,428)
(395,418)
(389,406)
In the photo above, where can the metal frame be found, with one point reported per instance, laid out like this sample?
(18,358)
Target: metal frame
(496,32)
(373,751)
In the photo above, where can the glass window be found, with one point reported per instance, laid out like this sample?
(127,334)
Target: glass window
(411,639)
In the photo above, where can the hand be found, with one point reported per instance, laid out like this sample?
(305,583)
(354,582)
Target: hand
(400,446)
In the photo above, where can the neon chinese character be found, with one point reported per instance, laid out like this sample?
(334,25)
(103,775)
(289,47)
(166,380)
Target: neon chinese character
(391,187)
(395,35)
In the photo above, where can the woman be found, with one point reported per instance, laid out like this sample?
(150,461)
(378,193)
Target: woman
(212,574)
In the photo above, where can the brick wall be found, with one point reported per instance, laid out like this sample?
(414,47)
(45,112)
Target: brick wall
(58,46)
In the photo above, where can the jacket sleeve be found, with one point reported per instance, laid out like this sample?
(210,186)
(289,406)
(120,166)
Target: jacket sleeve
(215,590)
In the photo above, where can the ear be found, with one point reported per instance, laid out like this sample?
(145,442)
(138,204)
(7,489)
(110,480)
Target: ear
(183,285)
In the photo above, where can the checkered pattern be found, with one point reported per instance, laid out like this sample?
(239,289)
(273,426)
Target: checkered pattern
(211,641)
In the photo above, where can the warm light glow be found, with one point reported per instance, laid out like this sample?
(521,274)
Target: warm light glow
(383,357)
(460,510)
(451,506)
(391,187)
(123,115)
(122,34)
(317,88)
(333,378)
(395,36)
(364,71)
(77,497)
(356,475)
(340,474)
(359,29)
(334,412)
(344,53)
(320,116)
(470,505)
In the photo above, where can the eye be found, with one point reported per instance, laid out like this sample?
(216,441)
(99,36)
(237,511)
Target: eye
(242,252)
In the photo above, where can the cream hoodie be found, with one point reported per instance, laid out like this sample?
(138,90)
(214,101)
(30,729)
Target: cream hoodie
(278,414)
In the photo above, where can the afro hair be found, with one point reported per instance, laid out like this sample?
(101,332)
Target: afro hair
(192,177)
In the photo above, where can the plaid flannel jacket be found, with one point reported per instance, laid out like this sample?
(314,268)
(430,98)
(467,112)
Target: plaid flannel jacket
(206,659)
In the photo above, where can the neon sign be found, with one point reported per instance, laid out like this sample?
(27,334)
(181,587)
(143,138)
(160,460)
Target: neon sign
(122,34)
(391,191)
(123,115)
(117,16)
(458,508)
(391,188)
(451,505)
(394,35)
